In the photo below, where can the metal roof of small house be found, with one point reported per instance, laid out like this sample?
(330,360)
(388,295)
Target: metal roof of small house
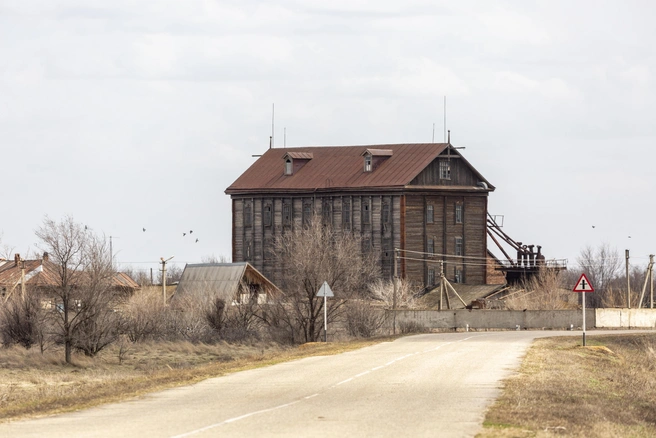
(220,279)
(341,167)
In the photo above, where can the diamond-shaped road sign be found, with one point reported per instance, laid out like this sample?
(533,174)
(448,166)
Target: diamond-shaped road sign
(583,285)
(325,290)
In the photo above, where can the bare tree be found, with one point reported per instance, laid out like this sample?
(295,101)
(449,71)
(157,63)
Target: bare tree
(309,256)
(214,259)
(83,291)
(601,265)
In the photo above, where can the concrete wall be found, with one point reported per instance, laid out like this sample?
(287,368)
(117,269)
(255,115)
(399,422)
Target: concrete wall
(625,318)
(494,319)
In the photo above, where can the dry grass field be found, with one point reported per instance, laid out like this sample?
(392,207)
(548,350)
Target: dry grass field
(35,384)
(606,389)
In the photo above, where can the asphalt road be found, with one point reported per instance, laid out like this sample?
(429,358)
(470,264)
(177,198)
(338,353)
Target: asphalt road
(436,385)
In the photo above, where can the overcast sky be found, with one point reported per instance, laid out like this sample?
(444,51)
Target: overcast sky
(138,114)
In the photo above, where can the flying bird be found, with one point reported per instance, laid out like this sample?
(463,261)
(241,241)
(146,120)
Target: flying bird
(184,234)
(196,240)
(144,230)
(593,226)
(191,231)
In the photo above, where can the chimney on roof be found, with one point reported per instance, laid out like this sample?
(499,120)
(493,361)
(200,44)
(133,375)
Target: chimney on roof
(46,256)
(16,259)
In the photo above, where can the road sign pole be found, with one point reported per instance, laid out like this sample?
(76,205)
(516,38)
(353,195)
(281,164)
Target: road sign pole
(325,319)
(583,300)
(583,286)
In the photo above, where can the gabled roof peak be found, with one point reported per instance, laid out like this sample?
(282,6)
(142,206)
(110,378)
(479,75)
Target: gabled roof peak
(378,152)
(298,155)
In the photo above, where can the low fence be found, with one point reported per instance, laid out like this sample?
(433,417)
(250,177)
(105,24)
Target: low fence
(625,318)
(463,319)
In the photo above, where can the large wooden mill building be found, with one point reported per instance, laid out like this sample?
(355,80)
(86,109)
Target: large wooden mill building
(424,199)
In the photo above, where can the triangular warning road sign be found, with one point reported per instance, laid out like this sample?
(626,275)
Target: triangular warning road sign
(325,290)
(583,285)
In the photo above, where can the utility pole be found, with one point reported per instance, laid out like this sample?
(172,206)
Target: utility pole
(648,278)
(164,277)
(441,282)
(628,281)
(651,280)
(396,289)
(22,262)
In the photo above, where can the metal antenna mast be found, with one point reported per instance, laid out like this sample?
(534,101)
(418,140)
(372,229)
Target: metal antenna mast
(444,119)
(273,117)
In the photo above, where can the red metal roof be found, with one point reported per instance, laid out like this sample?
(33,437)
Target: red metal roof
(44,273)
(338,167)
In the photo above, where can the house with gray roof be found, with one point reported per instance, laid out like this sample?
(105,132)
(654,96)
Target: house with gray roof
(234,283)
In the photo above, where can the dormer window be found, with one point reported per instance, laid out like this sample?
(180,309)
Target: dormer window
(295,160)
(374,158)
(445,169)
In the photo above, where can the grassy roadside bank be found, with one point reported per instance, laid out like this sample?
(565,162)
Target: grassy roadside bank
(606,389)
(35,384)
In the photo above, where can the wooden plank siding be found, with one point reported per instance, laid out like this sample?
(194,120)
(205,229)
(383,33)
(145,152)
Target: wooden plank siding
(384,218)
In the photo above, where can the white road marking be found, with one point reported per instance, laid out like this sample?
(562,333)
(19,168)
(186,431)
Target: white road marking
(250,414)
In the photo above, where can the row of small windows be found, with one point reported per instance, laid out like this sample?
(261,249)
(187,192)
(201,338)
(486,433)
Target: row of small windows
(458,250)
(430,276)
(267,213)
(430,213)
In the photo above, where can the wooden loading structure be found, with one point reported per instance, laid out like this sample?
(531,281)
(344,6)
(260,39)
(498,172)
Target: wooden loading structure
(528,261)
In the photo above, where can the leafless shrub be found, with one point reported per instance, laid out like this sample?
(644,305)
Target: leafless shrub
(409,327)
(185,319)
(124,347)
(142,316)
(363,320)
(406,294)
(215,315)
(22,321)
(543,291)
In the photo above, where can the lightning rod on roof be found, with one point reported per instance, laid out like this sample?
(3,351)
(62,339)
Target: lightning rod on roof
(273,116)
(444,119)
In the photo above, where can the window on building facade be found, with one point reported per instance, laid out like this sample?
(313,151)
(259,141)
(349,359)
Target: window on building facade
(458,251)
(288,166)
(430,247)
(269,250)
(286,214)
(327,212)
(459,278)
(346,213)
(430,280)
(248,215)
(307,213)
(367,163)
(366,213)
(248,250)
(386,213)
(266,217)
(429,214)
(445,169)
(458,213)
